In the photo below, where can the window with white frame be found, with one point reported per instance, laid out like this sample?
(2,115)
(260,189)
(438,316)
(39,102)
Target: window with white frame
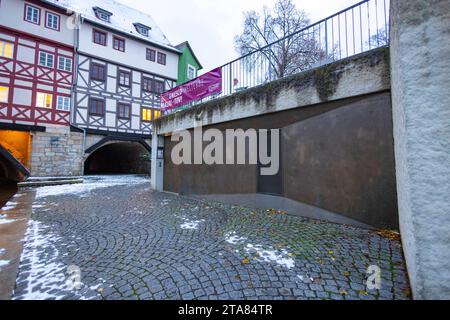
(191,72)
(4,92)
(52,21)
(46,59)
(32,14)
(65,64)
(44,100)
(6,49)
(63,103)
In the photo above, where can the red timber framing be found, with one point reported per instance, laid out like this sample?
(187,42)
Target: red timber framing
(25,78)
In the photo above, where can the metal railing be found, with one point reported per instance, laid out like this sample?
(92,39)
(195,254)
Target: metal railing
(359,28)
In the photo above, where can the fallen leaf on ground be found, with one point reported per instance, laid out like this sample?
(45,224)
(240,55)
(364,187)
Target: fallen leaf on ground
(389,234)
(363,292)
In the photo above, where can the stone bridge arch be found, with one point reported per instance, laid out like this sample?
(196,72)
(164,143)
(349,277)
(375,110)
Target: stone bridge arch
(113,155)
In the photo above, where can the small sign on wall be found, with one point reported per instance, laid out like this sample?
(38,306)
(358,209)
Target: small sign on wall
(160,153)
(54,141)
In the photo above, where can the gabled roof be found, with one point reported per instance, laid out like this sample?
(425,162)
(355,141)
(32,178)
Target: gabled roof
(122,19)
(186,44)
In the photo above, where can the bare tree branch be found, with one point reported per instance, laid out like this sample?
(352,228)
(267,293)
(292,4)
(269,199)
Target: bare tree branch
(287,56)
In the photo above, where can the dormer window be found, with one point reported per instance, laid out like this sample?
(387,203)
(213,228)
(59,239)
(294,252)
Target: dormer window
(142,29)
(102,14)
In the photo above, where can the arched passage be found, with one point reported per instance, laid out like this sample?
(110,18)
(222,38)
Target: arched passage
(119,157)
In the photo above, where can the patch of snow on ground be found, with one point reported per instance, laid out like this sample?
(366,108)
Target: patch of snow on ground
(47,276)
(40,260)
(90,184)
(3,263)
(233,238)
(9,206)
(280,257)
(191,224)
(5,221)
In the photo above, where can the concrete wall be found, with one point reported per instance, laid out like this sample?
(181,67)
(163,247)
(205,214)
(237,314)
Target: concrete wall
(358,75)
(337,156)
(337,144)
(56,152)
(420,51)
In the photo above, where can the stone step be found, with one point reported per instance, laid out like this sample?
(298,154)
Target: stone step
(52,182)
(33,179)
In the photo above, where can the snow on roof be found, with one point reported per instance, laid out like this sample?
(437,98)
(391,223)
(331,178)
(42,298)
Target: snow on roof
(123,18)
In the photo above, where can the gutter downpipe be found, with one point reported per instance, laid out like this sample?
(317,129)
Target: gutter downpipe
(78,21)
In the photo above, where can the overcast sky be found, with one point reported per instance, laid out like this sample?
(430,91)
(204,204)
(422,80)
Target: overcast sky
(210,25)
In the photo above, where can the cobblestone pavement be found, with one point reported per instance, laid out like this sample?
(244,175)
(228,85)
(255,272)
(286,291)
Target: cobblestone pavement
(132,243)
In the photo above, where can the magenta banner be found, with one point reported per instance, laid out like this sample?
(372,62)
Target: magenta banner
(206,85)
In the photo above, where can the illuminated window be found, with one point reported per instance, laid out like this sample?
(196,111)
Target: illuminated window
(44,100)
(6,49)
(63,103)
(146,114)
(156,114)
(4,94)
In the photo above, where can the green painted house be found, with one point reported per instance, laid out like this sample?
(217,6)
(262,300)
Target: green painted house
(188,64)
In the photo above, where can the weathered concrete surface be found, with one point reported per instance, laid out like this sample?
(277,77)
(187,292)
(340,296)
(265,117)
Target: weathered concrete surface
(291,207)
(358,75)
(337,156)
(420,51)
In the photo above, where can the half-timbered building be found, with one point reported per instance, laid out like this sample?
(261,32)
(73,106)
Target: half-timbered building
(79,76)
(124,62)
(36,82)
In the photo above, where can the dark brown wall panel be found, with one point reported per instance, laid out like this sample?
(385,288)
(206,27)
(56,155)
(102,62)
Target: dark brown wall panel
(343,161)
(337,156)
